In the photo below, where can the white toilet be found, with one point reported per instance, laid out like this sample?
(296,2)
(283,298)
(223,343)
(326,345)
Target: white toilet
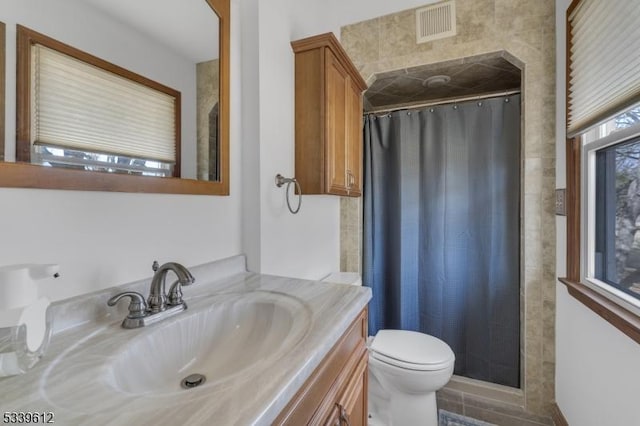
(406,368)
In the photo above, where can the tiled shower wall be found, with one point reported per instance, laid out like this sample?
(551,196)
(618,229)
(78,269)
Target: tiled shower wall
(524,31)
(351,234)
(208,89)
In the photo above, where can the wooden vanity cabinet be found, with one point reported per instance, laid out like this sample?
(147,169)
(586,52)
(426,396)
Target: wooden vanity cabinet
(328,118)
(336,392)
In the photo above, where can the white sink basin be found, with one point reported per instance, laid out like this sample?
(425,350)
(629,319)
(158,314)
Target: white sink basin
(219,343)
(222,337)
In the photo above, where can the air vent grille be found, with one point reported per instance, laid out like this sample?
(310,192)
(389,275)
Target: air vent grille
(436,21)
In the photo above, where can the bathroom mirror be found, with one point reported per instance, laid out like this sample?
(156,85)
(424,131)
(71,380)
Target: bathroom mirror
(179,44)
(2,89)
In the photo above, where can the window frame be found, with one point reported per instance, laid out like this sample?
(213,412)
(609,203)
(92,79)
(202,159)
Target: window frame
(26,38)
(588,228)
(578,287)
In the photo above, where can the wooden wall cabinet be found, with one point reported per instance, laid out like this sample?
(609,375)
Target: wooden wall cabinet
(328,118)
(336,392)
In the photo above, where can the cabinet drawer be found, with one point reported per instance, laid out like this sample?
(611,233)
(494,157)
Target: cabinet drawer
(333,381)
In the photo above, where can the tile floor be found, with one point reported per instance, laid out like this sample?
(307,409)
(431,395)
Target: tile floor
(488,410)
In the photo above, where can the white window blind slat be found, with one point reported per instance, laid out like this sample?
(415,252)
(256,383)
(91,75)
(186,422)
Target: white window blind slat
(586,33)
(71,94)
(601,99)
(85,137)
(60,62)
(587,88)
(94,87)
(76,136)
(151,126)
(79,106)
(604,74)
(584,90)
(583,9)
(606,42)
(604,110)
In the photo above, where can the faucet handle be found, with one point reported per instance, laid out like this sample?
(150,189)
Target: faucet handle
(155,266)
(137,306)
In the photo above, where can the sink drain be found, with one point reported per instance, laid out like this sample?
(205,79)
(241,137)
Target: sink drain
(193,381)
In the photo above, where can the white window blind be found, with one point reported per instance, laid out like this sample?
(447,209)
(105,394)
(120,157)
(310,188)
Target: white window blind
(604,73)
(80,106)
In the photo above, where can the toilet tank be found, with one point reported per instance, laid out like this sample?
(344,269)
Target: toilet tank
(352,278)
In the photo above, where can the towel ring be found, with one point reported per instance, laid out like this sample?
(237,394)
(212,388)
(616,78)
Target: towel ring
(281,180)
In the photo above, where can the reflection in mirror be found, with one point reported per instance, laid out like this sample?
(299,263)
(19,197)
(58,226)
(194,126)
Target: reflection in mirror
(2,88)
(174,43)
(207,119)
(81,112)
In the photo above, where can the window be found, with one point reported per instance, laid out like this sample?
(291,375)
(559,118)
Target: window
(603,160)
(611,207)
(84,113)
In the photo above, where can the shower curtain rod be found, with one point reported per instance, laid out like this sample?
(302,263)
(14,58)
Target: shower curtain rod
(443,102)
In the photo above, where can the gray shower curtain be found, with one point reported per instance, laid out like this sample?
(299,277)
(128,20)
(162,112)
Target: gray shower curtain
(442,230)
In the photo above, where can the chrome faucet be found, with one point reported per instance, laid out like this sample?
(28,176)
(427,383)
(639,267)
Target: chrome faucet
(157,297)
(158,306)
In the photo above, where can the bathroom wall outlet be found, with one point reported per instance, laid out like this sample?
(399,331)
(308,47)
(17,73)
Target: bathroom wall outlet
(561,202)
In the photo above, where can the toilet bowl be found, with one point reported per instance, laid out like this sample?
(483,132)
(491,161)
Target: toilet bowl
(406,368)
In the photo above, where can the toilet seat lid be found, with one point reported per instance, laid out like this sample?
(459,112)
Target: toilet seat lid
(411,349)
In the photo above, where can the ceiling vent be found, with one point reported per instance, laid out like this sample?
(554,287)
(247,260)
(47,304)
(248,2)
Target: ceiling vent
(436,21)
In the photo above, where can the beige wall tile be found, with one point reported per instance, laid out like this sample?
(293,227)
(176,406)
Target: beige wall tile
(532,176)
(363,39)
(533,138)
(398,35)
(531,209)
(475,19)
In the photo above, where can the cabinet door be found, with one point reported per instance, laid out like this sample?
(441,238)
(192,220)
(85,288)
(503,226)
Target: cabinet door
(337,387)
(354,140)
(336,84)
(353,402)
(351,406)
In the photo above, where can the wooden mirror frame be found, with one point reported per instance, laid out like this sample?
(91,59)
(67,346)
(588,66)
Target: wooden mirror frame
(24,175)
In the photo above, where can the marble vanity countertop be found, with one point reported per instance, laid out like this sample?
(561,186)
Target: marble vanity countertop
(253,396)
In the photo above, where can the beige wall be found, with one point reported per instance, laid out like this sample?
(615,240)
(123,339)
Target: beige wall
(524,32)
